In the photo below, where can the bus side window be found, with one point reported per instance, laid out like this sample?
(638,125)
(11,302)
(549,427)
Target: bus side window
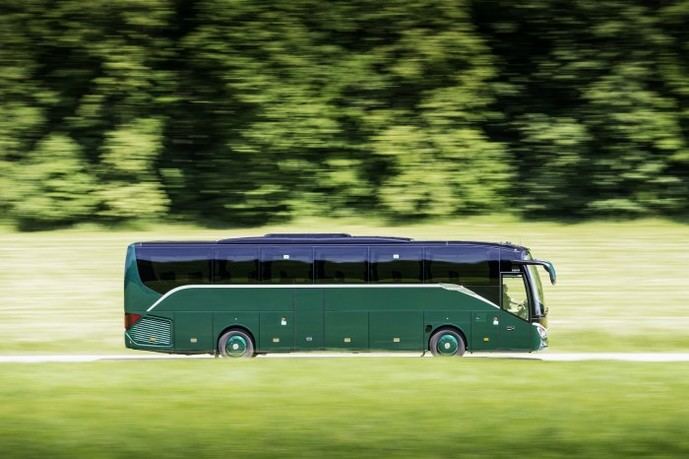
(468,265)
(286,265)
(396,264)
(164,268)
(235,265)
(341,264)
(476,268)
(442,265)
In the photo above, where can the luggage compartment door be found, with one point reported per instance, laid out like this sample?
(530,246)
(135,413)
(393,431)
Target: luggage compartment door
(277,331)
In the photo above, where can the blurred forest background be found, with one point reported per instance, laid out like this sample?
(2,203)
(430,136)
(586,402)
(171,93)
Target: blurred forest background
(241,112)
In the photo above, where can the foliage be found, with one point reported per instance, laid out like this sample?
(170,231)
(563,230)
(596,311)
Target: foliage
(593,104)
(238,112)
(127,160)
(53,184)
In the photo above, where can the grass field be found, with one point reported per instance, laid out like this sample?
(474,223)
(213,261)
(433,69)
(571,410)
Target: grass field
(344,408)
(622,286)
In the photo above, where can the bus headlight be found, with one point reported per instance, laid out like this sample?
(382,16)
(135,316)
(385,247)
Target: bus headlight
(542,333)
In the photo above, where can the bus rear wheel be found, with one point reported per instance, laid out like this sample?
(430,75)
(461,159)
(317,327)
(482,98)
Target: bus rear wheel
(236,343)
(447,342)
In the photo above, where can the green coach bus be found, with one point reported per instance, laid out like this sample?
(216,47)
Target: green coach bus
(312,292)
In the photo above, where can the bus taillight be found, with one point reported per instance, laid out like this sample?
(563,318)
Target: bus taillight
(130,319)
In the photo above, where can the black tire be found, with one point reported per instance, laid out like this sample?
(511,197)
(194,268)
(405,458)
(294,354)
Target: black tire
(447,342)
(241,341)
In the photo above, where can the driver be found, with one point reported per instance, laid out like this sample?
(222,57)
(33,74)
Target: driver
(506,300)
(517,308)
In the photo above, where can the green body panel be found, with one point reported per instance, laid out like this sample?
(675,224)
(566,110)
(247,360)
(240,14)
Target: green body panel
(358,318)
(242,319)
(193,331)
(309,319)
(397,330)
(484,331)
(276,332)
(346,330)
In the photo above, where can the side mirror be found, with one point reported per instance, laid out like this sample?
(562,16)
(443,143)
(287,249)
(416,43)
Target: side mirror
(548,266)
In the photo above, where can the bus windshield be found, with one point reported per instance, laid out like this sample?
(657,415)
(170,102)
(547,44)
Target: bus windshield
(537,287)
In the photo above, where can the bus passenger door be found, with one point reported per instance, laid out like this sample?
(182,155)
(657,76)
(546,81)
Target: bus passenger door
(308,320)
(515,328)
(515,333)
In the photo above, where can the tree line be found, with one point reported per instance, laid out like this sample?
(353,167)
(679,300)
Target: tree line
(240,112)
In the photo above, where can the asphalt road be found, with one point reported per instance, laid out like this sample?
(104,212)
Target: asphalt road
(542,356)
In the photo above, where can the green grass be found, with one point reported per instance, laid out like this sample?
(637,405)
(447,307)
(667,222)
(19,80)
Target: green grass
(344,408)
(622,285)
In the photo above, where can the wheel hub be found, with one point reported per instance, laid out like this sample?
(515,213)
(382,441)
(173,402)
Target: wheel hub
(235,346)
(447,345)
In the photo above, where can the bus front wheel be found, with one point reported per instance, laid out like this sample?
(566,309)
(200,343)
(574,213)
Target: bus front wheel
(447,342)
(235,343)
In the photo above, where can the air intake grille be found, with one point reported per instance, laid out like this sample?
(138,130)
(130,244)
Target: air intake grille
(152,331)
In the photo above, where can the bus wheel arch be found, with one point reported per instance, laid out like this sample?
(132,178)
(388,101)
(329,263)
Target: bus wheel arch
(236,341)
(447,340)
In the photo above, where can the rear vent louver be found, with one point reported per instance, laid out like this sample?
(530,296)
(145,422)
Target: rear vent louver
(152,331)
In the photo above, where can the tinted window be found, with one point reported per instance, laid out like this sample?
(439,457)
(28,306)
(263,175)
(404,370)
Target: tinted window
(396,264)
(442,265)
(286,265)
(466,265)
(341,264)
(474,267)
(236,265)
(163,268)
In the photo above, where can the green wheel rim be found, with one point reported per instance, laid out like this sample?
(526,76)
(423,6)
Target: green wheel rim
(447,345)
(235,346)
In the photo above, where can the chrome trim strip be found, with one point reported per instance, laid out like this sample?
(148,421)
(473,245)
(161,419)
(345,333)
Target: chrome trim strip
(453,287)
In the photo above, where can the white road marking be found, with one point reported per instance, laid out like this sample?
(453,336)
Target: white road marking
(540,356)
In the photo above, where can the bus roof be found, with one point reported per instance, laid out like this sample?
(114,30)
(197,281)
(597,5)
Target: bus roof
(331,238)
